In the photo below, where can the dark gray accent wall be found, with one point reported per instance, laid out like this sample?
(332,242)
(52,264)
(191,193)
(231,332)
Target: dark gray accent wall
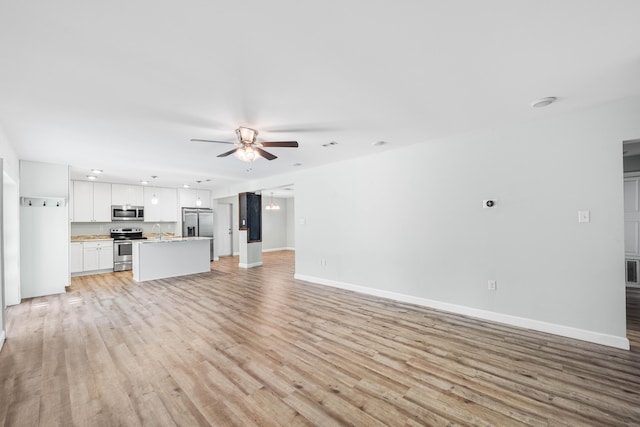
(631,163)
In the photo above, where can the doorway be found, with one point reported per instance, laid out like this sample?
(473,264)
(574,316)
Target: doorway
(225,229)
(11,240)
(631,167)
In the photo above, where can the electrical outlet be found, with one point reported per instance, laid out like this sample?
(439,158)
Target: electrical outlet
(323,262)
(584,216)
(492,285)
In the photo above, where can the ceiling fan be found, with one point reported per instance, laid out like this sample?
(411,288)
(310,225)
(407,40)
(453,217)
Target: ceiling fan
(247,149)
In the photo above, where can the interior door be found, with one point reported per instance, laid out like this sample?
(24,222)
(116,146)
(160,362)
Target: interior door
(224,230)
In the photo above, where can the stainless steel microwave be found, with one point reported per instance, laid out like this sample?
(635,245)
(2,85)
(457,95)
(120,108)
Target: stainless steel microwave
(127,213)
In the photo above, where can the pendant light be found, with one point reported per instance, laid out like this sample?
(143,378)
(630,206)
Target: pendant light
(198,201)
(272,206)
(154,198)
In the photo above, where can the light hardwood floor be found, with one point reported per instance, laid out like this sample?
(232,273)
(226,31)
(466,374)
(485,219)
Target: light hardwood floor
(254,347)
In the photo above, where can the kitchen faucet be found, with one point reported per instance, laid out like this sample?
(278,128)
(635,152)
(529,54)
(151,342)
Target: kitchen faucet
(159,230)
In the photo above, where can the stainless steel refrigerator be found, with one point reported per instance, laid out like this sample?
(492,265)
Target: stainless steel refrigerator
(198,222)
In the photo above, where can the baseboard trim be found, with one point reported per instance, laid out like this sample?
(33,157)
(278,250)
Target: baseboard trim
(277,249)
(536,325)
(254,264)
(89,273)
(2,338)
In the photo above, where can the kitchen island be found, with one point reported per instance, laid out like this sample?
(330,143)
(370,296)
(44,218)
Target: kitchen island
(162,258)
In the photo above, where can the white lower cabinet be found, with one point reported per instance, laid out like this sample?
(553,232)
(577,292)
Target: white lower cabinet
(75,257)
(97,256)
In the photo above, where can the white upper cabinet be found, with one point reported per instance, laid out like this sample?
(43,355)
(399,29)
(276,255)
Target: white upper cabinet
(82,201)
(166,208)
(189,198)
(91,202)
(101,202)
(132,195)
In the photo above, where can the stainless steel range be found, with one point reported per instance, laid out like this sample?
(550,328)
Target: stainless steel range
(123,246)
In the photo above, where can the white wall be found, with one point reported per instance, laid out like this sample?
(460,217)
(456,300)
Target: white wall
(9,246)
(44,231)
(11,164)
(411,223)
(11,240)
(291,223)
(274,225)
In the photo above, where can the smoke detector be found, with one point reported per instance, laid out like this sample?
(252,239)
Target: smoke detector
(543,102)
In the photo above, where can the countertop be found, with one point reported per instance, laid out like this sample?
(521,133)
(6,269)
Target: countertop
(90,237)
(98,237)
(171,240)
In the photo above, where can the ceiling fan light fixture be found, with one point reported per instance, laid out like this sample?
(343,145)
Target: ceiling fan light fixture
(246,135)
(247,154)
(247,149)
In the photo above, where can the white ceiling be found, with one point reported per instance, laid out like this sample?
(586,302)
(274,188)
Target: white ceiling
(123,86)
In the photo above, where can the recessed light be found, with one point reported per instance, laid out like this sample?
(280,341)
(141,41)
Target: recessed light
(144,182)
(379,143)
(96,171)
(329,144)
(92,177)
(297,164)
(543,102)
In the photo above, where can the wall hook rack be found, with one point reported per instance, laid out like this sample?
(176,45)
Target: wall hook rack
(45,202)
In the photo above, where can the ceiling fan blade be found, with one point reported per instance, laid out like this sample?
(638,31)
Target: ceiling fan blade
(228,152)
(280,144)
(265,154)
(208,140)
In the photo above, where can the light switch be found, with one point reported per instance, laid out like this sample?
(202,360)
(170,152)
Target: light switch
(584,216)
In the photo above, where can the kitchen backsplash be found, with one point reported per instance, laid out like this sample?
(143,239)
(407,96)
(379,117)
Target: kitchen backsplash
(90,228)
